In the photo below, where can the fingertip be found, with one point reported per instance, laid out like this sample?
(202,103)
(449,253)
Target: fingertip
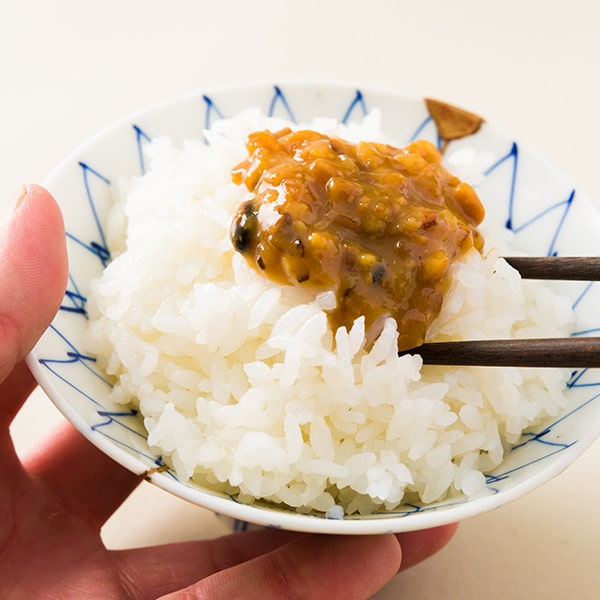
(40,206)
(390,545)
(344,566)
(420,545)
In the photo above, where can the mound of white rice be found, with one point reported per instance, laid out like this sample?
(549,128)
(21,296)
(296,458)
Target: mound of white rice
(243,387)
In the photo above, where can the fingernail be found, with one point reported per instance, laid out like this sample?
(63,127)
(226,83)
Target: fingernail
(20,197)
(11,207)
(17,201)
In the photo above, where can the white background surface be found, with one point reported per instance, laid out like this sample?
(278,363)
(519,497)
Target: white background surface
(69,68)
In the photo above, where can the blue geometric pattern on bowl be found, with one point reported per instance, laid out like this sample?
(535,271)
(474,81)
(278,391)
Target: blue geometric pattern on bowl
(519,189)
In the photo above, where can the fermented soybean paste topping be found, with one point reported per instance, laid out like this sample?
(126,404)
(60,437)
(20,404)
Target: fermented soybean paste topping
(378,225)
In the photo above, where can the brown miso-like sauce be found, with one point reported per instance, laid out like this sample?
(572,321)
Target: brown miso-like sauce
(378,225)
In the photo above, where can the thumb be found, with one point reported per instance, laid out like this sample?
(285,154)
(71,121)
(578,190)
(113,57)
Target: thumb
(33,273)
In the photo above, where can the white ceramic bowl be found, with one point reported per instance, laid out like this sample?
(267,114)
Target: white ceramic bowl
(521,191)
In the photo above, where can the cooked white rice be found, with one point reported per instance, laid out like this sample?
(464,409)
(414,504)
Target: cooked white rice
(243,387)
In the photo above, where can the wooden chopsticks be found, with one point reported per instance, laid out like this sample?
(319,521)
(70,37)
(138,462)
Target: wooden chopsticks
(572,352)
(568,268)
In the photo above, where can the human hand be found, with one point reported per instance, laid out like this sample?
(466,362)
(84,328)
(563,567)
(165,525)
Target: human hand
(50,516)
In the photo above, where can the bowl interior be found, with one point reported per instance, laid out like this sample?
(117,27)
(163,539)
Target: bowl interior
(521,191)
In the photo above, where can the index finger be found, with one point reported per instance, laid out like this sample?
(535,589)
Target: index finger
(315,566)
